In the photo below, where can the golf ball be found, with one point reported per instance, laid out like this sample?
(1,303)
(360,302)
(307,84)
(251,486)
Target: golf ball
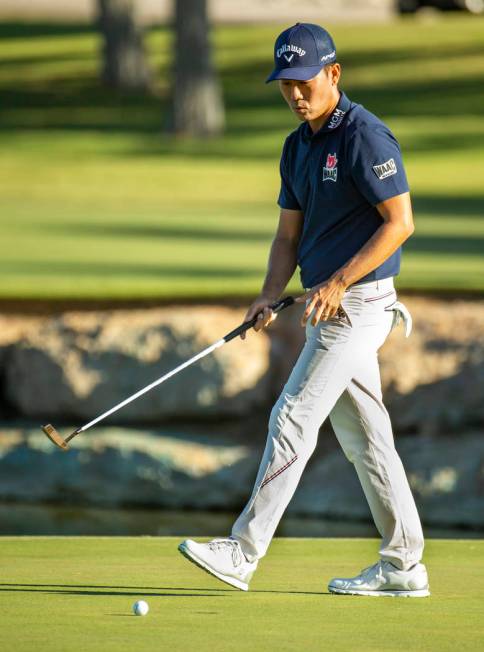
(140,608)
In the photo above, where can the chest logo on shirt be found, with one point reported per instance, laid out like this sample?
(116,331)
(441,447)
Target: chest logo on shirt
(386,169)
(330,170)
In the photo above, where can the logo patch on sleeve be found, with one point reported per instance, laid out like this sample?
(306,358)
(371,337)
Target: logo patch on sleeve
(386,169)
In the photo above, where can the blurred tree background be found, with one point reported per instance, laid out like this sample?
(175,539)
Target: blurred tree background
(124,64)
(103,195)
(139,164)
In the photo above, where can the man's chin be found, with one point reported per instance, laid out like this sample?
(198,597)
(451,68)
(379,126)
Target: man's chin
(303,116)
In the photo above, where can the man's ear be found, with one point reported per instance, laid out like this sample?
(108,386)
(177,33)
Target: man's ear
(335,73)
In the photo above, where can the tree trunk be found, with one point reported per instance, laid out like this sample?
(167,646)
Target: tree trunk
(124,62)
(198,108)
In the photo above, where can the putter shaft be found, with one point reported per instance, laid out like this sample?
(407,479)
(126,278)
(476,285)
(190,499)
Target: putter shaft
(56,438)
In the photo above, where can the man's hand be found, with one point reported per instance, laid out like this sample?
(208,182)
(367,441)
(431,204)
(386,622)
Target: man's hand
(325,300)
(266,316)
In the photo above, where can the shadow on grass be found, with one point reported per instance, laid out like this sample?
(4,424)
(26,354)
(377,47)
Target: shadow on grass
(115,269)
(12,29)
(163,232)
(438,244)
(362,58)
(73,55)
(437,206)
(60,101)
(131,593)
(452,206)
(78,589)
(434,98)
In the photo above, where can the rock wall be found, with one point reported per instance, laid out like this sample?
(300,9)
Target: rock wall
(113,467)
(75,365)
(196,441)
(78,364)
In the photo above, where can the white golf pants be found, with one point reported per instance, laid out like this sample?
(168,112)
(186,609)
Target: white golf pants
(337,375)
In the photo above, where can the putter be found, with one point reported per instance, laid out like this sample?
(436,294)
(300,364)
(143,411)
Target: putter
(59,441)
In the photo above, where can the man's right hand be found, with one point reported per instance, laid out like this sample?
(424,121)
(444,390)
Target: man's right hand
(261,307)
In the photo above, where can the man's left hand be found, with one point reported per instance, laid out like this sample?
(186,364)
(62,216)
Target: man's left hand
(325,299)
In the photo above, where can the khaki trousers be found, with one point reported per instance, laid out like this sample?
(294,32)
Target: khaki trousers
(337,375)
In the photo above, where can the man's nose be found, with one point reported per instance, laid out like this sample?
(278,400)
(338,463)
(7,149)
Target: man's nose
(296,93)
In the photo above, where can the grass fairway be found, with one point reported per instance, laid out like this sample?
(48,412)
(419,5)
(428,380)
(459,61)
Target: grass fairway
(77,593)
(98,202)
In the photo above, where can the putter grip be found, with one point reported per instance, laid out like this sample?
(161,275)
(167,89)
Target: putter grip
(275,307)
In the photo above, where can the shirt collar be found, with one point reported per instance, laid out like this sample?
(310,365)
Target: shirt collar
(334,120)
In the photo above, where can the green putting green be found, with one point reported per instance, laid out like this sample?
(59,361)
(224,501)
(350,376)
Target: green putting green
(77,593)
(98,202)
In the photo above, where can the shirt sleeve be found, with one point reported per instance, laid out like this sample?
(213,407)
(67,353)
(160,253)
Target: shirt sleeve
(286,198)
(376,163)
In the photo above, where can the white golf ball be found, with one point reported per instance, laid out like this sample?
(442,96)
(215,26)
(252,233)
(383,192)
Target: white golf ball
(140,608)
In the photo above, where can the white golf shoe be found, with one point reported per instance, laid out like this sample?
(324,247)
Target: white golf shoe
(384,579)
(222,558)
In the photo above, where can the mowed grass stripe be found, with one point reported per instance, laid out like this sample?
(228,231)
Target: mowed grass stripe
(77,593)
(97,201)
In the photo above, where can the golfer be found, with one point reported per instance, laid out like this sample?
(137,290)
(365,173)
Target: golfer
(345,212)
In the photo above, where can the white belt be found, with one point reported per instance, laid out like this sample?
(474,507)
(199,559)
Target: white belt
(381,284)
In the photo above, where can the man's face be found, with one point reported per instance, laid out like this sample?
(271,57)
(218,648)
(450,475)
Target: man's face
(313,98)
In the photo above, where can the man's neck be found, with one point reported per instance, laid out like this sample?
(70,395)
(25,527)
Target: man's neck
(318,122)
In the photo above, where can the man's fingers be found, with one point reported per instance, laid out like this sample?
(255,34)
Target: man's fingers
(249,315)
(323,313)
(305,317)
(319,314)
(304,297)
(258,323)
(263,318)
(320,311)
(309,308)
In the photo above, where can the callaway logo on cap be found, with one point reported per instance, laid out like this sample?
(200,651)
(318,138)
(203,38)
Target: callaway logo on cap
(301,52)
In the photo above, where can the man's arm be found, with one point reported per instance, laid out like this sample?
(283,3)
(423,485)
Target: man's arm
(281,266)
(396,228)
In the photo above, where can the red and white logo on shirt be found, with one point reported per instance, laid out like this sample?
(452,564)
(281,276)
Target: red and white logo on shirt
(330,170)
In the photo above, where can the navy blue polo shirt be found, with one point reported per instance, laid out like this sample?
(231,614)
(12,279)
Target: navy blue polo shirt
(336,177)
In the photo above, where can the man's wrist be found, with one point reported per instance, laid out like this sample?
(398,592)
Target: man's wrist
(271,297)
(340,278)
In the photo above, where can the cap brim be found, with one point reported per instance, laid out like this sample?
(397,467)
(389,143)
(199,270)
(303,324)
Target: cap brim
(301,73)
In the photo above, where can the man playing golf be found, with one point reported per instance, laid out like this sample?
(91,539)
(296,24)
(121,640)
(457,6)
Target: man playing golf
(345,212)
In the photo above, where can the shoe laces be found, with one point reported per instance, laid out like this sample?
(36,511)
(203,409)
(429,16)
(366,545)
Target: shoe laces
(229,546)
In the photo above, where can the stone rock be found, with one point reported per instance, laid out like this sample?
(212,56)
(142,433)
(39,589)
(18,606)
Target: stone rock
(112,467)
(79,364)
(120,467)
(446,476)
(447,405)
(432,381)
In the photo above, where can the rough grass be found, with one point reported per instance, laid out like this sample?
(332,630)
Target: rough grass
(97,202)
(77,593)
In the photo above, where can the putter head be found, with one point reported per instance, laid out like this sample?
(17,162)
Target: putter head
(54,437)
